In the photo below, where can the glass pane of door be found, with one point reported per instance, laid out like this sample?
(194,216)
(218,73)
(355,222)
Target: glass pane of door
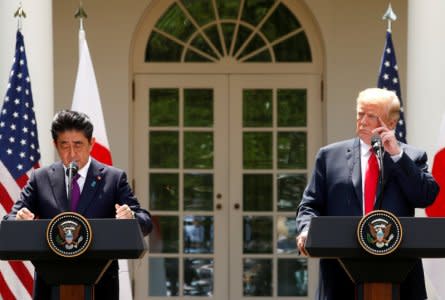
(181,173)
(275,130)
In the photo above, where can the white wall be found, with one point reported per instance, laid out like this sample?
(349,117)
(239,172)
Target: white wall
(37,32)
(109,28)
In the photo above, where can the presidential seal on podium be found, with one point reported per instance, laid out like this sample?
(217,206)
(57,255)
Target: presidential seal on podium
(69,234)
(379,232)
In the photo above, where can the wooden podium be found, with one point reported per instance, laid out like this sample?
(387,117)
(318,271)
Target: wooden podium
(112,239)
(336,237)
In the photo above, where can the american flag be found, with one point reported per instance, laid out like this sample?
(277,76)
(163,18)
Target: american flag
(19,155)
(389,79)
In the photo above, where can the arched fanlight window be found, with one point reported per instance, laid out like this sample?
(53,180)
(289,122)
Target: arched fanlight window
(237,30)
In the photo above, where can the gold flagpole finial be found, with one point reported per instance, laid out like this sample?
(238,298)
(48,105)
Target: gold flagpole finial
(19,13)
(80,13)
(390,16)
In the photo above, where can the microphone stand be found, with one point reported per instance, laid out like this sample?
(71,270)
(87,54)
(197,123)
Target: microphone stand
(71,172)
(70,183)
(380,153)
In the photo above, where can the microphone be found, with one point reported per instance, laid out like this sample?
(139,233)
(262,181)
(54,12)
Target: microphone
(72,169)
(376,144)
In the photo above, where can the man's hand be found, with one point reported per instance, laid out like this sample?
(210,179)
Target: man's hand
(389,140)
(24,214)
(301,242)
(124,212)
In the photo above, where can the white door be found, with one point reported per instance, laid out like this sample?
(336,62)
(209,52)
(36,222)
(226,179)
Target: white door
(221,162)
(275,130)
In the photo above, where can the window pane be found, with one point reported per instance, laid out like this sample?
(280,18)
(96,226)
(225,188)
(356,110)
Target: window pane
(280,23)
(167,239)
(294,49)
(292,107)
(164,191)
(163,277)
(255,10)
(286,234)
(164,151)
(201,44)
(290,188)
(292,277)
(198,277)
(257,108)
(201,11)
(257,192)
(228,9)
(257,277)
(213,35)
(198,150)
(198,192)
(175,23)
(291,149)
(257,150)
(263,56)
(241,37)
(198,107)
(255,43)
(228,31)
(257,234)
(198,234)
(160,48)
(164,107)
(192,56)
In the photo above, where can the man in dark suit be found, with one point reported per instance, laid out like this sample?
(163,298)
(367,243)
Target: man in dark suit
(337,186)
(105,192)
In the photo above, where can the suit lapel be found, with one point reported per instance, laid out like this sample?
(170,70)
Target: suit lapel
(92,183)
(57,181)
(353,157)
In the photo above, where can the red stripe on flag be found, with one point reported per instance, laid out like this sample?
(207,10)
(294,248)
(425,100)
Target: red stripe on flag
(5,292)
(5,199)
(437,209)
(22,273)
(22,180)
(102,154)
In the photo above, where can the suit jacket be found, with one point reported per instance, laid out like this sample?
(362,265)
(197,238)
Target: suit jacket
(335,189)
(45,195)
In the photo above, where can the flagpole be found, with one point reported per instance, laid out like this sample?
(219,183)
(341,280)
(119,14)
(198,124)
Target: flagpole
(389,16)
(86,98)
(388,75)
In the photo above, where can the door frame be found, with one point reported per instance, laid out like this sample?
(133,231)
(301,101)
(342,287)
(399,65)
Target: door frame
(314,142)
(141,171)
(227,157)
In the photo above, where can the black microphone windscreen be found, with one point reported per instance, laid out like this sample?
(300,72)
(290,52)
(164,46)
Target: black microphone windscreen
(376,143)
(73,168)
(375,139)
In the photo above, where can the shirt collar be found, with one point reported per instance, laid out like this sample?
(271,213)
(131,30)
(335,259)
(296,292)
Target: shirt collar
(364,148)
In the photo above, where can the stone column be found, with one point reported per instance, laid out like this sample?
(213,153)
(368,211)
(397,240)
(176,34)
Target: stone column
(425,106)
(425,73)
